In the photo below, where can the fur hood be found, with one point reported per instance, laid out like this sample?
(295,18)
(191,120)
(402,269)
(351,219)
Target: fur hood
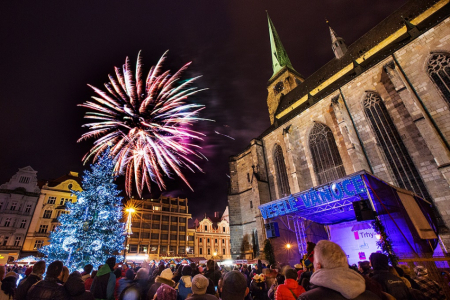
(160,279)
(343,280)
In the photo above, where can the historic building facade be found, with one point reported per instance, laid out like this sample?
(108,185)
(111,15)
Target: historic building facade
(159,229)
(212,236)
(381,105)
(50,205)
(18,199)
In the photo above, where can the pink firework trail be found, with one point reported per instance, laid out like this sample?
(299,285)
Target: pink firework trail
(146,122)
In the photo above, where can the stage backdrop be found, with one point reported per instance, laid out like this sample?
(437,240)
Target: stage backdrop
(357,239)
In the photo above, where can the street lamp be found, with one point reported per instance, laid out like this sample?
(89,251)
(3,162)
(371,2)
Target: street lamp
(288,247)
(130,210)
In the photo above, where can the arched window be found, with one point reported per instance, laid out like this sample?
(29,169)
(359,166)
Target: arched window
(328,164)
(282,179)
(388,138)
(439,71)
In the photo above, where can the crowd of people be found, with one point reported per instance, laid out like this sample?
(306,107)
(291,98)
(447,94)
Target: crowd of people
(324,273)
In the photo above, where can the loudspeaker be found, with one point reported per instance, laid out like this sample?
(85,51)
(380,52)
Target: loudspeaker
(272,230)
(363,210)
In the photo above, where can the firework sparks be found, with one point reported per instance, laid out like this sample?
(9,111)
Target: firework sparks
(145,121)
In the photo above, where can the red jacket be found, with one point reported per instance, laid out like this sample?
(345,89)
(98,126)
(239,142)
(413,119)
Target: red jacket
(287,290)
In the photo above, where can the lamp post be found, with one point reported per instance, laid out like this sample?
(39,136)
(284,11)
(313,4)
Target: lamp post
(288,247)
(130,211)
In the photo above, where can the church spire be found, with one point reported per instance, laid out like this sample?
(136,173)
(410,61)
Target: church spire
(280,58)
(337,44)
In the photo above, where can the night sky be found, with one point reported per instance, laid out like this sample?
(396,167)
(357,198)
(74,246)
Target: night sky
(50,50)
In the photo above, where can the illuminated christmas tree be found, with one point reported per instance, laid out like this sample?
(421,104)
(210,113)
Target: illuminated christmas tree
(92,230)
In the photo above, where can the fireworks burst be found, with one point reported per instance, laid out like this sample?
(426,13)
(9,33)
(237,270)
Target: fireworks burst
(145,121)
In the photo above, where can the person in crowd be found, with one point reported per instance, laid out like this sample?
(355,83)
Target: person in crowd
(88,282)
(428,287)
(199,285)
(290,289)
(65,275)
(2,272)
(405,281)
(184,286)
(258,289)
(333,279)
(390,283)
(211,289)
(118,273)
(194,269)
(8,288)
(364,267)
(164,278)
(212,273)
(273,289)
(165,292)
(49,288)
(26,283)
(75,287)
(124,282)
(142,281)
(105,281)
(234,286)
(407,274)
(87,272)
(28,271)
(177,275)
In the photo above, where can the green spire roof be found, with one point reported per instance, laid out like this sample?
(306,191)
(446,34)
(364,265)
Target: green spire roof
(280,58)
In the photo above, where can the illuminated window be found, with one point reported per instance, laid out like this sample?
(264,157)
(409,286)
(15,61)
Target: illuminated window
(395,152)
(281,174)
(439,72)
(51,200)
(38,244)
(327,162)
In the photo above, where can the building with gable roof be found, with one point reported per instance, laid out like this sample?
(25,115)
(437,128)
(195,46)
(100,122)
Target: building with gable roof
(53,196)
(212,236)
(18,199)
(382,104)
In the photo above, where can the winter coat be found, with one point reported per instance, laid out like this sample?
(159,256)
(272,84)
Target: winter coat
(8,288)
(47,289)
(123,284)
(24,286)
(103,285)
(338,283)
(75,288)
(85,276)
(322,293)
(214,275)
(154,287)
(184,287)
(88,283)
(391,284)
(258,290)
(287,290)
(202,297)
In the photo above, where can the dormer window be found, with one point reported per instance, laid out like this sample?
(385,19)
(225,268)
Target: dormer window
(24,179)
(278,87)
(206,228)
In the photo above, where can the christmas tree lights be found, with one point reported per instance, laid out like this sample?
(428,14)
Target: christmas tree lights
(92,231)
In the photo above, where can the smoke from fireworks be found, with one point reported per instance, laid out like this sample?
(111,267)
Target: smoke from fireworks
(145,121)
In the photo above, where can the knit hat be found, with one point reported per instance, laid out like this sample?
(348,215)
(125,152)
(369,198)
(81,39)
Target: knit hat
(129,274)
(419,270)
(187,270)
(166,292)
(298,266)
(12,274)
(379,261)
(199,284)
(234,285)
(166,274)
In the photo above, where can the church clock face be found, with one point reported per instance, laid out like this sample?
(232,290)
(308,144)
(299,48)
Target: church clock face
(278,87)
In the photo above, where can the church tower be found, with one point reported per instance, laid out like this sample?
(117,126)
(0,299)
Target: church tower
(284,78)
(337,44)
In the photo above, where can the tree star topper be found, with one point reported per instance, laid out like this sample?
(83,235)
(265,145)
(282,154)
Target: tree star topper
(146,122)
